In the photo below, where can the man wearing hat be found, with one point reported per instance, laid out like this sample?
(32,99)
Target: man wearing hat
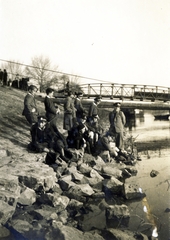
(39,136)
(51,109)
(93,109)
(79,107)
(69,112)
(30,108)
(117,122)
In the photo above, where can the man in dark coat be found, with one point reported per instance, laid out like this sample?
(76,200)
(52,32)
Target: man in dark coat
(117,122)
(40,136)
(30,108)
(80,111)
(51,109)
(69,112)
(93,109)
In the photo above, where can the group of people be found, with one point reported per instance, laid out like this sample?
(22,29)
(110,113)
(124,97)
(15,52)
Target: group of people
(83,126)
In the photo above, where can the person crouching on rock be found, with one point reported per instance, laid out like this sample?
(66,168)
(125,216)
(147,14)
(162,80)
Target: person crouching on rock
(58,146)
(106,143)
(39,136)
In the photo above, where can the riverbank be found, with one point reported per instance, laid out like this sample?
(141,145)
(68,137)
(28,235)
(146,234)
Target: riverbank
(84,200)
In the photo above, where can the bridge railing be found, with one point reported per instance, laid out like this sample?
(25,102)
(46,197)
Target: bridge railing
(127,91)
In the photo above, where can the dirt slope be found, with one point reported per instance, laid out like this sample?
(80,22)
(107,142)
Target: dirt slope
(14,129)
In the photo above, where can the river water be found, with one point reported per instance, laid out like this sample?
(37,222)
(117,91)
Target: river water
(151,214)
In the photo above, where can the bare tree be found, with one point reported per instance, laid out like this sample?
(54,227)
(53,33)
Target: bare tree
(41,72)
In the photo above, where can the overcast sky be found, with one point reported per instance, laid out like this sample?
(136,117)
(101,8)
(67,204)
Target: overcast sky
(120,41)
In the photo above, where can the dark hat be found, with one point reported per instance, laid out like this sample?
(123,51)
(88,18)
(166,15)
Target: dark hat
(80,127)
(117,104)
(78,94)
(95,116)
(97,99)
(70,93)
(32,87)
(49,90)
(42,119)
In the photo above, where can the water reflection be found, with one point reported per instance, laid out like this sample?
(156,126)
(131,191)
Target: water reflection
(153,142)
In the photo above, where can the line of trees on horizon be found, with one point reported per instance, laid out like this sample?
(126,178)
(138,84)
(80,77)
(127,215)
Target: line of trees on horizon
(41,73)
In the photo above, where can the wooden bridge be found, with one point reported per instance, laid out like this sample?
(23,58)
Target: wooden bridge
(127,92)
(131,96)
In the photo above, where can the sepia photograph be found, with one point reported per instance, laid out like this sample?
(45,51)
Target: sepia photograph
(84,120)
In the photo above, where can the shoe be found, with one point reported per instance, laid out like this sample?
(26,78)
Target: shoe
(139,158)
(124,154)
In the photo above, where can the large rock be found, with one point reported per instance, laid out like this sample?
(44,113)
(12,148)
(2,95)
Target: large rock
(118,234)
(6,212)
(27,197)
(66,182)
(34,175)
(93,219)
(110,170)
(132,191)
(79,192)
(85,168)
(112,186)
(54,199)
(9,194)
(117,215)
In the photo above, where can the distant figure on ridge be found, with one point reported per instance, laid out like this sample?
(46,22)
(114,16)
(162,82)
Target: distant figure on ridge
(1,77)
(30,108)
(5,77)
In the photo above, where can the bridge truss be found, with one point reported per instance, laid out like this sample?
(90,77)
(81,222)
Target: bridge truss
(127,92)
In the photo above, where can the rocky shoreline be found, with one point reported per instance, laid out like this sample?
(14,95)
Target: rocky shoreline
(85,199)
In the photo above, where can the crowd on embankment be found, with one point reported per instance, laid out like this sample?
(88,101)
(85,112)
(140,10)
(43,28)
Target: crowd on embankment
(83,127)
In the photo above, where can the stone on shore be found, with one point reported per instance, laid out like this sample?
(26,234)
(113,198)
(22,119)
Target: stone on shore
(117,216)
(113,186)
(27,197)
(132,191)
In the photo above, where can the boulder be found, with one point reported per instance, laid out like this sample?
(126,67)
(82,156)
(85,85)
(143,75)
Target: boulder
(79,192)
(117,216)
(84,168)
(47,214)
(54,199)
(66,182)
(94,218)
(34,175)
(6,212)
(95,183)
(118,234)
(113,186)
(27,197)
(132,191)
(110,170)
